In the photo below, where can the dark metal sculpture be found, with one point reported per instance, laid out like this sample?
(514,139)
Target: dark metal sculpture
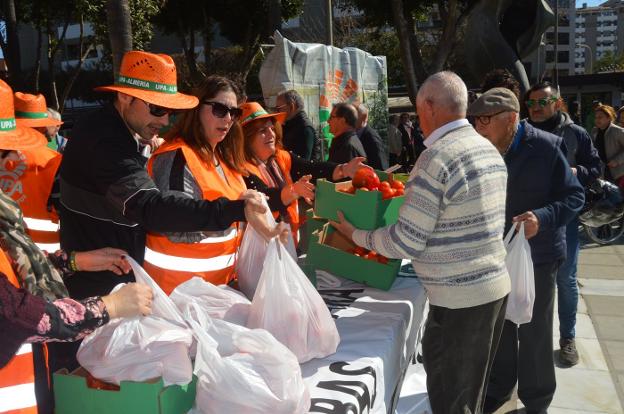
(501,32)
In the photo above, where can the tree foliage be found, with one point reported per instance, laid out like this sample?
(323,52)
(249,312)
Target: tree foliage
(245,23)
(421,52)
(610,62)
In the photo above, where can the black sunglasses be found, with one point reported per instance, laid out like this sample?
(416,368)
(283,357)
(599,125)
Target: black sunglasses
(157,111)
(219,110)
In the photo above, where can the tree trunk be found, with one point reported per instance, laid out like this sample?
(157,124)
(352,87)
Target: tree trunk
(445,45)
(414,44)
(38,63)
(119,30)
(53,101)
(406,53)
(78,68)
(11,47)
(207,32)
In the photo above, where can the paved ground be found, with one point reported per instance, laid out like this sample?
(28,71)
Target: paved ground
(596,384)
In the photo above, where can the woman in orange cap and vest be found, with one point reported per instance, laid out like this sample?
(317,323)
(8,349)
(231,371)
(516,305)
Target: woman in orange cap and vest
(283,176)
(201,159)
(33,299)
(28,176)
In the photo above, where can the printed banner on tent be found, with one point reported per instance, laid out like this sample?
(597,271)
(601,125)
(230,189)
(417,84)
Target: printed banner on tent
(324,75)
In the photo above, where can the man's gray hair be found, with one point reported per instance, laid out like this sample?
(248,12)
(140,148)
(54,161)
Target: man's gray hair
(445,89)
(292,96)
(54,114)
(362,109)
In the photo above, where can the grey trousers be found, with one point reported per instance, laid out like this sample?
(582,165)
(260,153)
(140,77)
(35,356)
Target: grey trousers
(458,348)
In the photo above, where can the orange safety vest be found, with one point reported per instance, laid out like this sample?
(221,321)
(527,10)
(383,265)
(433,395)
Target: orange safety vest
(29,183)
(213,259)
(17,378)
(284,161)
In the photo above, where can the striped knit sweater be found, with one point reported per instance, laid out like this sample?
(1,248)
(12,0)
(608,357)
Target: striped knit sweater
(451,224)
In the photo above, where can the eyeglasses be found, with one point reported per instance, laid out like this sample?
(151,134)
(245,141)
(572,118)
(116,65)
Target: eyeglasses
(157,111)
(542,102)
(219,110)
(485,119)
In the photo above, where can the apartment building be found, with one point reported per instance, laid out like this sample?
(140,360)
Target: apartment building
(598,31)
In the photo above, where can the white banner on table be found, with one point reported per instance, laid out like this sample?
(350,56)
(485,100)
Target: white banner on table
(379,331)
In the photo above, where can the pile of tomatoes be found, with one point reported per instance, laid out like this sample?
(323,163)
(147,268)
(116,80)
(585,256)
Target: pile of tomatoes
(368,180)
(368,255)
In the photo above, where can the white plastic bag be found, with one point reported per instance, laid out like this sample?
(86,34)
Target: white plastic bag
(244,371)
(520,269)
(251,256)
(288,306)
(219,302)
(141,348)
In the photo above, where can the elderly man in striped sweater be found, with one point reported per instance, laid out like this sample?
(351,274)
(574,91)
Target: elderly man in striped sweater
(451,227)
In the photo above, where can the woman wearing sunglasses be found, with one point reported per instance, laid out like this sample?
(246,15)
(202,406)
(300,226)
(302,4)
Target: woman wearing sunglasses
(283,176)
(202,158)
(609,140)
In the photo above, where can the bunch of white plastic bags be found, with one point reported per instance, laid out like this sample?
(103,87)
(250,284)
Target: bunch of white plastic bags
(141,348)
(520,269)
(239,369)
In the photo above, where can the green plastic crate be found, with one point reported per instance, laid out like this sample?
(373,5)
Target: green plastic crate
(73,396)
(365,209)
(328,251)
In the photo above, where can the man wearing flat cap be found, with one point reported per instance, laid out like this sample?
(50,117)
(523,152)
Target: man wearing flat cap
(543,193)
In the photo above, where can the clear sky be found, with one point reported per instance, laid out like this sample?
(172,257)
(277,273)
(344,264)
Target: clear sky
(590,3)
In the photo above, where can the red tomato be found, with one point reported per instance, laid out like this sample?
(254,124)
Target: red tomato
(363,189)
(360,251)
(372,189)
(389,193)
(384,185)
(399,192)
(365,178)
(382,259)
(396,184)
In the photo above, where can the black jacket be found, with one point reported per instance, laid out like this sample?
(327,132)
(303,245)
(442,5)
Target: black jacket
(299,136)
(298,168)
(540,180)
(581,152)
(109,200)
(376,155)
(345,147)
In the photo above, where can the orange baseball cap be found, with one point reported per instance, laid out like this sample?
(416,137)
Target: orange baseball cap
(253,111)
(151,78)
(32,111)
(12,135)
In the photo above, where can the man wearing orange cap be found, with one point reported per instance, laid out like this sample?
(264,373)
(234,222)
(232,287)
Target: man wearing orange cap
(107,197)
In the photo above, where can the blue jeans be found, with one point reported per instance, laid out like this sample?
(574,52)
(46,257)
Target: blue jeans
(567,288)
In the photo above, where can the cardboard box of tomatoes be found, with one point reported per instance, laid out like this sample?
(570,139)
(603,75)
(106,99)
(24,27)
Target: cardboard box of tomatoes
(369,201)
(331,251)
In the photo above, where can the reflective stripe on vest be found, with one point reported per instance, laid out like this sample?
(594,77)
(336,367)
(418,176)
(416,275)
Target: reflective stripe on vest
(185,264)
(17,378)
(45,233)
(170,263)
(41,225)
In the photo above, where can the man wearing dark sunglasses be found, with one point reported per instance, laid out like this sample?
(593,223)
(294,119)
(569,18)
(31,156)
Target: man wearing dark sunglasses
(107,195)
(544,106)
